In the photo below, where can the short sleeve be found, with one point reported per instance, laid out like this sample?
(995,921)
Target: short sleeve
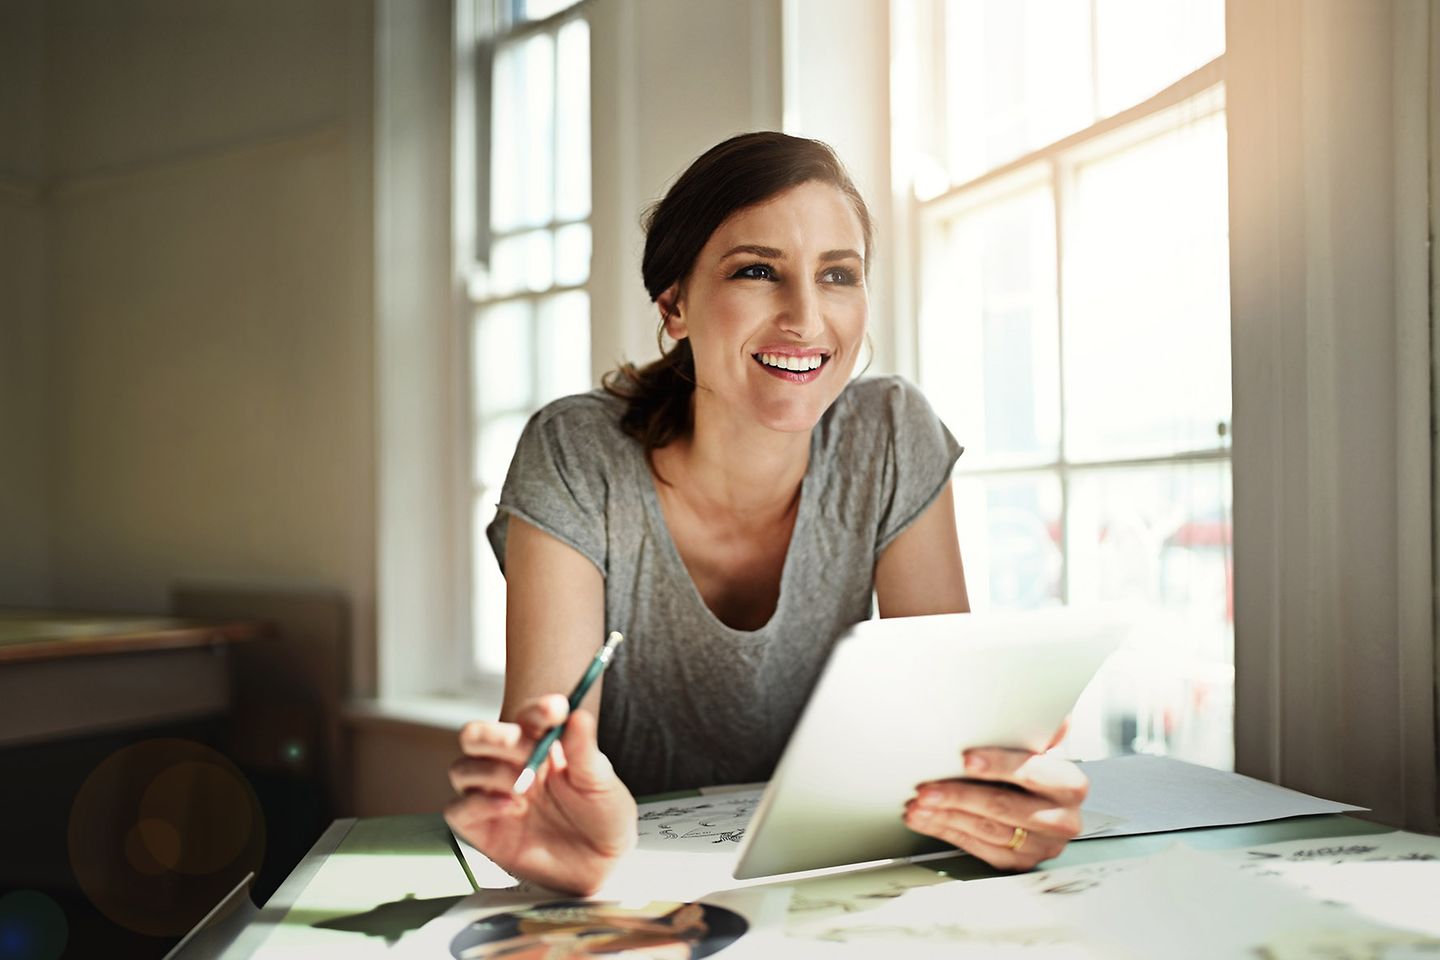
(919,457)
(558,480)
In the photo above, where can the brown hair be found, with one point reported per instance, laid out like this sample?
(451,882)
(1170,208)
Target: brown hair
(738,173)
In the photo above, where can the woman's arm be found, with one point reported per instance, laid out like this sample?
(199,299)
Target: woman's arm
(920,571)
(578,819)
(1014,829)
(554,617)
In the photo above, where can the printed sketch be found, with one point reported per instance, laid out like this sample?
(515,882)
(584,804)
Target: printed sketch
(715,821)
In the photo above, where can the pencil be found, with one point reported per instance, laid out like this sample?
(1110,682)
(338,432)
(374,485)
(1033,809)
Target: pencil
(542,749)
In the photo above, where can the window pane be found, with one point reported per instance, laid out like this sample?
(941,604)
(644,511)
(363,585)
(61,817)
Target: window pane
(522,262)
(495,447)
(1017,77)
(1147,298)
(501,364)
(1143,46)
(990,362)
(1009,529)
(564,345)
(507,118)
(572,254)
(1158,541)
(523,134)
(572,122)
(488,606)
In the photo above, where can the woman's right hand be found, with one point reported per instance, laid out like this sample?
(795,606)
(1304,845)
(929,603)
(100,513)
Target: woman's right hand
(575,822)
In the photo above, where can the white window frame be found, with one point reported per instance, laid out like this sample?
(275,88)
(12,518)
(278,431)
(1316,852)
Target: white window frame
(487,30)
(1196,96)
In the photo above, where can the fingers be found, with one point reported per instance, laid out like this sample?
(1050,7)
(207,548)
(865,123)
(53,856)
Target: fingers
(513,741)
(589,769)
(986,839)
(1059,734)
(1039,773)
(986,818)
(537,716)
(471,814)
(1005,807)
(469,774)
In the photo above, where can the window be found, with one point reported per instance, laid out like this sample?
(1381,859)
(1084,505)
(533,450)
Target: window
(530,312)
(1068,168)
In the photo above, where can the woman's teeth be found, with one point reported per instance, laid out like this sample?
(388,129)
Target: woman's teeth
(784,362)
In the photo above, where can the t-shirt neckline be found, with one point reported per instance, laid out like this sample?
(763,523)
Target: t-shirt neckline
(677,563)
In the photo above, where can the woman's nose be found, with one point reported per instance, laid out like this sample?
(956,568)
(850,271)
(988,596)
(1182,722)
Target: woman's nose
(802,316)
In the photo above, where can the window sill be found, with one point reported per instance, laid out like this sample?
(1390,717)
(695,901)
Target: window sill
(448,712)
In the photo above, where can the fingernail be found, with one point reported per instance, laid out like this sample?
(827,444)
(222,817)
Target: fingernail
(975,763)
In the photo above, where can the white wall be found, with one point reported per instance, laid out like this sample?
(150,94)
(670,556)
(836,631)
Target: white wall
(25,511)
(421,393)
(210,402)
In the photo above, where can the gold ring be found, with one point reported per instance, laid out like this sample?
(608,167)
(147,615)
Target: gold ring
(1017,839)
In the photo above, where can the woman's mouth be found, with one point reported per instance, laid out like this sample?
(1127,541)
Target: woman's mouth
(795,368)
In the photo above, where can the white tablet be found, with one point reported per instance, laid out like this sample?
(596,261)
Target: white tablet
(897,704)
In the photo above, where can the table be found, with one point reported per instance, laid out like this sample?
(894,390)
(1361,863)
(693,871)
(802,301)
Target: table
(65,674)
(369,883)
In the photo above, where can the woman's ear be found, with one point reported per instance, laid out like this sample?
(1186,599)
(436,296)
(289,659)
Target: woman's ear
(670,319)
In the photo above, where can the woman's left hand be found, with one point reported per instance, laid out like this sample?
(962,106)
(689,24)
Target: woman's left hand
(985,815)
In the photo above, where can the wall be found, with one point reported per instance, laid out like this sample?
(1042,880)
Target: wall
(25,511)
(1335,660)
(209,298)
(670,81)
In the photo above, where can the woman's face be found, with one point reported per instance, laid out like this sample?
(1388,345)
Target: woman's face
(775,308)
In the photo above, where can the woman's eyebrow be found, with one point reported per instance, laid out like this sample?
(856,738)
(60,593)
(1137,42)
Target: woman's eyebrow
(774,253)
(770,253)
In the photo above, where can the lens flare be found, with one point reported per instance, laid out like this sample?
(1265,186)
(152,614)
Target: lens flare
(160,832)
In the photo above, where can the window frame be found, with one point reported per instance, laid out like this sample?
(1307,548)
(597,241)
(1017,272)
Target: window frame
(1197,95)
(496,24)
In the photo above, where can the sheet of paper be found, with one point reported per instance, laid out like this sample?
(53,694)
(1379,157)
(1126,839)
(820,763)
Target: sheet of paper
(1391,878)
(1157,794)
(711,823)
(1166,905)
(819,900)
(950,919)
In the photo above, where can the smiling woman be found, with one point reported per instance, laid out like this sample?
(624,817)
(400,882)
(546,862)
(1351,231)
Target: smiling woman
(731,508)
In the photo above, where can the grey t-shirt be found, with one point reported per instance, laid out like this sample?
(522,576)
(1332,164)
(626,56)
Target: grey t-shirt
(689,701)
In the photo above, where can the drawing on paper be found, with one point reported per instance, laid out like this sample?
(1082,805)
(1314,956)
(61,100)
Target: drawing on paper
(714,819)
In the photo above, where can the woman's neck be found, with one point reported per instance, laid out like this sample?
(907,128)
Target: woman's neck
(736,466)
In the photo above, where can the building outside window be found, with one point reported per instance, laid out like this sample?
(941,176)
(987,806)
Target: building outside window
(1067,169)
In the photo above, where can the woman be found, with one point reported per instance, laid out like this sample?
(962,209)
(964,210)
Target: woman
(730,509)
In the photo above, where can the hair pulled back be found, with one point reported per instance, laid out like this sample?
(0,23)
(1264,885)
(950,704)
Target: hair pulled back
(730,176)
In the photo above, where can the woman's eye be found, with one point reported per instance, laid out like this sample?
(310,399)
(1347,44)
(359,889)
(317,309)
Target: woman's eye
(842,275)
(756,271)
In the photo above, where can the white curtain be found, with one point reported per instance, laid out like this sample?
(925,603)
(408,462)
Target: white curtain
(1330,171)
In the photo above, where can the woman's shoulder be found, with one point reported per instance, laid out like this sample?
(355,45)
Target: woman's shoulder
(878,403)
(581,431)
(594,409)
